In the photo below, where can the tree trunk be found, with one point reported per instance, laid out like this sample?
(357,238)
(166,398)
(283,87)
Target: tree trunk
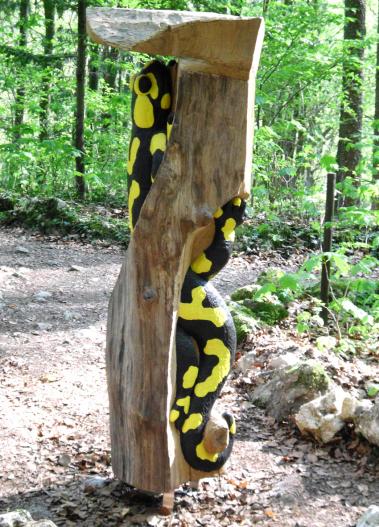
(20,91)
(211,137)
(350,128)
(375,153)
(80,94)
(110,56)
(49,13)
(93,67)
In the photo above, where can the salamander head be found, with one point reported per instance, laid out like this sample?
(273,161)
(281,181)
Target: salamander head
(151,99)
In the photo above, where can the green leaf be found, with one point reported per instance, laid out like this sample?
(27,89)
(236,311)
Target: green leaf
(329,163)
(289,281)
(372,390)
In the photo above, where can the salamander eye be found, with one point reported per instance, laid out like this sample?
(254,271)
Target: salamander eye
(144,84)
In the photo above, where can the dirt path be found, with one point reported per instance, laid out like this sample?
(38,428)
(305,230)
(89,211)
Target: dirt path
(54,420)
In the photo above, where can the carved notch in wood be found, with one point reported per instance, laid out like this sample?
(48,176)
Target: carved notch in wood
(207,163)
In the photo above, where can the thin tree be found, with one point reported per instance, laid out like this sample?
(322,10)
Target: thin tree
(375,153)
(80,95)
(20,91)
(48,44)
(93,67)
(350,124)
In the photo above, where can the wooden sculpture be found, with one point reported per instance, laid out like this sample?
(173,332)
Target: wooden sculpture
(156,406)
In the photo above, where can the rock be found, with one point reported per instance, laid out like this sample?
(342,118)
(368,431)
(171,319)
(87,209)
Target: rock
(64,460)
(60,204)
(370,518)
(93,483)
(326,415)
(43,326)
(367,422)
(283,361)
(75,268)
(244,322)
(247,361)
(22,518)
(290,388)
(42,296)
(15,519)
(22,250)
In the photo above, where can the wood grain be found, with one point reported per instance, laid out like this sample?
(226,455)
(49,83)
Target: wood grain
(228,44)
(207,163)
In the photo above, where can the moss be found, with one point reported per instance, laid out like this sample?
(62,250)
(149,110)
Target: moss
(270,312)
(246,292)
(312,376)
(271,276)
(244,321)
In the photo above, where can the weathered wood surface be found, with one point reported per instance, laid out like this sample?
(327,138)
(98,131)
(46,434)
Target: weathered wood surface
(207,162)
(226,42)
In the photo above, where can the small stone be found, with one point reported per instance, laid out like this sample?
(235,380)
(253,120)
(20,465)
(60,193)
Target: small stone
(43,326)
(94,483)
(42,296)
(68,315)
(76,268)
(64,460)
(370,518)
(22,250)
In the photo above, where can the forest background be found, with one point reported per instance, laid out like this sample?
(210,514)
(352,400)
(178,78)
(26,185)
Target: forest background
(65,127)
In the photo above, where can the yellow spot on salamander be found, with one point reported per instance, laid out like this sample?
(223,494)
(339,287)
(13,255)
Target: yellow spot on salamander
(201,264)
(237,202)
(219,212)
(203,454)
(192,422)
(232,428)
(185,403)
(166,101)
(134,192)
(133,154)
(228,230)
(169,130)
(174,414)
(196,311)
(158,142)
(190,376)
(143,114)
(219,372)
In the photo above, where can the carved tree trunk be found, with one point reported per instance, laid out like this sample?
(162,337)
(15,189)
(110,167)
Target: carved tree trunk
(207,162)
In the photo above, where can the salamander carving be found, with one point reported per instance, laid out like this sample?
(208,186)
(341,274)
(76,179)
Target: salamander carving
(205,335)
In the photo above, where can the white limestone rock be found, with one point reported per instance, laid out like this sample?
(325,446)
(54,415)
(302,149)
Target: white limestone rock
(370,518)
(326,415)
(22,518)
(367,422)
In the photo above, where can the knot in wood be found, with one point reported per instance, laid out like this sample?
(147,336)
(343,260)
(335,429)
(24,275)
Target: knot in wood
(149,294)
